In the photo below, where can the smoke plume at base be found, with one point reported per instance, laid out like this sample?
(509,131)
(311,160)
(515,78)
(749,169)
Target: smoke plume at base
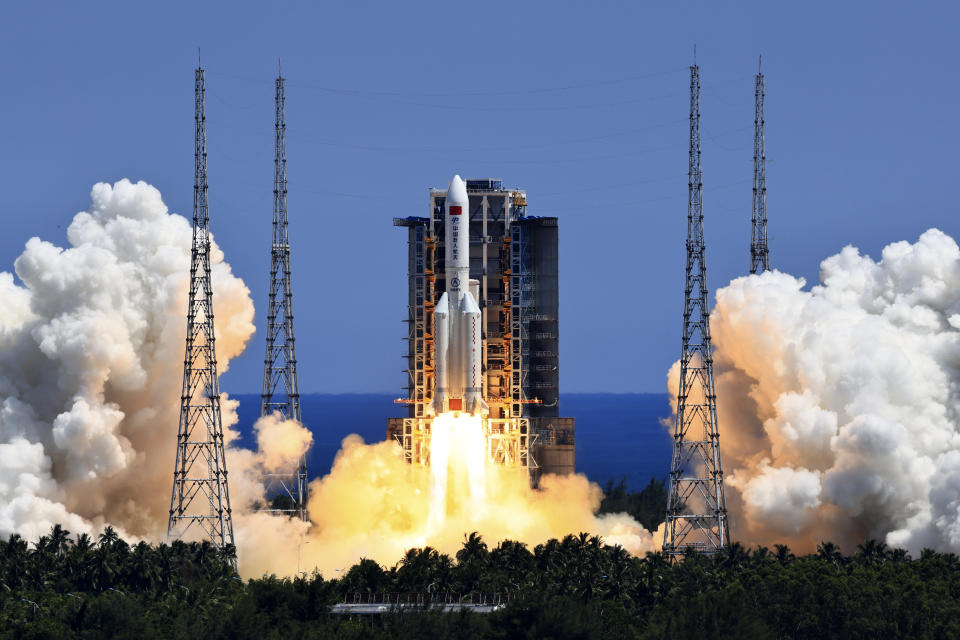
(374,505)
(838,406)
(91,357)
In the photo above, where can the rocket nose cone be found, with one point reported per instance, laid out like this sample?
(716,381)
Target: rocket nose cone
(457,191)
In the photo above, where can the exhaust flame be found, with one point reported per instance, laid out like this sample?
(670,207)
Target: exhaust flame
(458,467)
(375,505)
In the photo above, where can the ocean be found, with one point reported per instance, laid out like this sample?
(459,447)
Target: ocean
(618,435)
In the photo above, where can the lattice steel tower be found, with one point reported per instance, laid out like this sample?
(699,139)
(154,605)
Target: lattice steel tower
(200,493)
(696,507)
(281,392)
(759,252)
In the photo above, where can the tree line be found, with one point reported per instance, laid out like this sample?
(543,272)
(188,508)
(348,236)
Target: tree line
(63,587)
(66,587)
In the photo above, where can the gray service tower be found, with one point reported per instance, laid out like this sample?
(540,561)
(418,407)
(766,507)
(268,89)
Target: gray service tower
(514,258)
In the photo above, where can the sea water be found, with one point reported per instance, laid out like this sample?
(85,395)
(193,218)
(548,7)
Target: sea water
(617,435)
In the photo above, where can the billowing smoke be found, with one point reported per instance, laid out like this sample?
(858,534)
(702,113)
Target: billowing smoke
(838,405)
(374,505)
(91,356)
(281,442)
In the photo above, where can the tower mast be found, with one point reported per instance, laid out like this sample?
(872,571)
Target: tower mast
(759,252)
(281,391)
(696,506)
(200,493)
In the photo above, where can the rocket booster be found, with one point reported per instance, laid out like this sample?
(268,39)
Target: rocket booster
(457,322)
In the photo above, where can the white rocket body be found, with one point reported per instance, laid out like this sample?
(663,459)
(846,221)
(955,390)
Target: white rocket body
(457,324)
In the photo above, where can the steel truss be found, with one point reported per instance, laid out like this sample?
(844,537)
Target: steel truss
(759,251)
(696,507)
(281,390)
(200,492)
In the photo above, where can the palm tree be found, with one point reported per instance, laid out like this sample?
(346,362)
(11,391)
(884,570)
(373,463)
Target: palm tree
(899,555)
(204,553)
(474,549)
(143,571)
(760,555)
(831,553)
(872,551)
(366,576)
(621,578)
(928,554)
(512,559)
(83,543)
(783,554)
(418,569)
(59,541)
(735,556)
(16,559)
(472,561)
(108,538)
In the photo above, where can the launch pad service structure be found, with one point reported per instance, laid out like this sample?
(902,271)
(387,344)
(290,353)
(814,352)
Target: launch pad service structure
(483,331)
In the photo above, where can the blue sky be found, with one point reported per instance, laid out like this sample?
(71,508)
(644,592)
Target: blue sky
(584,106)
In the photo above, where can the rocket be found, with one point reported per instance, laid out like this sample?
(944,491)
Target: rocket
(457,322)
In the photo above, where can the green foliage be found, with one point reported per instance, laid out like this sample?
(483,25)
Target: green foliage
(63,588)
(282,502)
(647,506)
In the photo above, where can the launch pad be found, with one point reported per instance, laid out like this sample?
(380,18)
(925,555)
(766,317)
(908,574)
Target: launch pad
(507,440)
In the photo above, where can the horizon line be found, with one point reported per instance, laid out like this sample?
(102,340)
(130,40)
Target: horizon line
(387,393)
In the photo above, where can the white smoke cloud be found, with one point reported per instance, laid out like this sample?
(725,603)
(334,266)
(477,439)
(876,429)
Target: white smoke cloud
(91,353)
(839,405)
(281,442)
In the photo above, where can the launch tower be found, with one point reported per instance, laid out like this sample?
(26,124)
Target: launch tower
(759,252)
(281,391)
(200,494)
(513,257)
(696,506)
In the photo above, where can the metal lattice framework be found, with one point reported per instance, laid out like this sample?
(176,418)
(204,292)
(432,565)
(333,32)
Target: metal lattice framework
(200,494)
(281,391)
(759,252)
(521,292)
(696,506)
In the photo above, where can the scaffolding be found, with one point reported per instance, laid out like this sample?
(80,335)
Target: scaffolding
(504,250)
(521,286)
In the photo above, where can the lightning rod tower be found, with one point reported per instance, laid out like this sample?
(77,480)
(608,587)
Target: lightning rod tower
(696,506)
(281,391)
(200,493)
(759,252)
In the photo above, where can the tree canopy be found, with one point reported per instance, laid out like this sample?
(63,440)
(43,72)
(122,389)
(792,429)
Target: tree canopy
(67,587)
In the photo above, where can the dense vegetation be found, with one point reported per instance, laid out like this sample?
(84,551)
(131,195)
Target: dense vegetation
(647,506)
(65,587)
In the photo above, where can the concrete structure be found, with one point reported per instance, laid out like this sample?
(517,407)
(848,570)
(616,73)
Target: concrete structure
(365,604)
(513,257)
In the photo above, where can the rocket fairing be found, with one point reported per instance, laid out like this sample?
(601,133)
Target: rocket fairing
(457,324)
